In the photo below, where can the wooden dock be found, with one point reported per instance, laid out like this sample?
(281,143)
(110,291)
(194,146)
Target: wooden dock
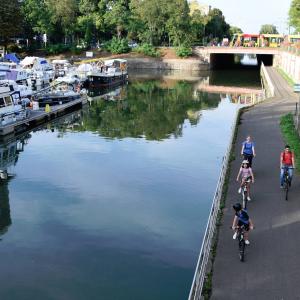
(40,116)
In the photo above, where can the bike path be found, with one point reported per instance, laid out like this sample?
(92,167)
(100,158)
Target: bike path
(272,262)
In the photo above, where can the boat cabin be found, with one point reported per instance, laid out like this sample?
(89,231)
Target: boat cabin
(10,111)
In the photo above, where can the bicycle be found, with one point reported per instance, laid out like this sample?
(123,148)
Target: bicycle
(245,188)
(241,240)
(286,182)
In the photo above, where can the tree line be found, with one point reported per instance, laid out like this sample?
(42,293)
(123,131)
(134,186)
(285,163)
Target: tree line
(157,22)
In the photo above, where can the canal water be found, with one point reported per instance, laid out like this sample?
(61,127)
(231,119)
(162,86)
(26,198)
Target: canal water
(111,202)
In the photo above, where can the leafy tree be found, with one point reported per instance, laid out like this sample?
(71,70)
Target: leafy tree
(294,14)
(268,28)
(10,20)
(37,15)
(217,26)
(178,23)
(198,23)
(117,15)
(151,17)
(234,29)
(91,21)
(63,15)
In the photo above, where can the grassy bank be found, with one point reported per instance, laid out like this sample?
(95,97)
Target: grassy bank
(286,77)
(291,136)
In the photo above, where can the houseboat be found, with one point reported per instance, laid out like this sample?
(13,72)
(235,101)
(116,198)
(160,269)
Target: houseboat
(111,72)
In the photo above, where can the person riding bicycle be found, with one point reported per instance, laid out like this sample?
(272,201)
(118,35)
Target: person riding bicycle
(247,175)
(248,150)
(241,218)
(287,162)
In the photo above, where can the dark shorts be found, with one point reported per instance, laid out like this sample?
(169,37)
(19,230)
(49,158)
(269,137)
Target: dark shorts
(246,226)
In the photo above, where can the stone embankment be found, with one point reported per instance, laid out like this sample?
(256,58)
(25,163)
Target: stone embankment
(168,64)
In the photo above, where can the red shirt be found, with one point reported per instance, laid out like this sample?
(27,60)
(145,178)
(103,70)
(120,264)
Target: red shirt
(286,157)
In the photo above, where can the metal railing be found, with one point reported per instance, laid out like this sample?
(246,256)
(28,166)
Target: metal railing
(266,81)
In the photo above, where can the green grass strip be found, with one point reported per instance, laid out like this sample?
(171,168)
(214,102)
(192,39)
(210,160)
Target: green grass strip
(286,77)
(291,136)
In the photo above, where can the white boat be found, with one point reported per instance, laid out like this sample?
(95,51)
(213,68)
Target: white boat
(61,67)
(11,71)
(24,90)
(10,110)
(39,69)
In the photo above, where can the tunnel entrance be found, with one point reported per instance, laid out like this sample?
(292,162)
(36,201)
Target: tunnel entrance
(238,61)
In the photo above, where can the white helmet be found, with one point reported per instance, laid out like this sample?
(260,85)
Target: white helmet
(245,162)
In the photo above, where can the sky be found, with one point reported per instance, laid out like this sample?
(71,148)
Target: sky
(250,15)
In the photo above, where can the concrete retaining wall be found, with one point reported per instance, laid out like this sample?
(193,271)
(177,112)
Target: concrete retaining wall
(167,64)
(289,63)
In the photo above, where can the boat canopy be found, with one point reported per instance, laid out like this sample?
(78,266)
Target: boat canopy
(33,61)
(85,68)
(13,57)
(115,62)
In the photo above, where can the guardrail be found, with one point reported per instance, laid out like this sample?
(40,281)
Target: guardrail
(267,82)
(199,276)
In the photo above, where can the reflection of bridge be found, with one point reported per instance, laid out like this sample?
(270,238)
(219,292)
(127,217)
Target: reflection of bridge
(237,94)
(224,56)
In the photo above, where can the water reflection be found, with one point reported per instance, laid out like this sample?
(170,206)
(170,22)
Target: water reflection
(152,109)
(9,154)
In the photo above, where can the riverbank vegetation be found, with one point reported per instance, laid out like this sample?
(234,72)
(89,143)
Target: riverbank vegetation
(285,76)
(291,136)
(97,23)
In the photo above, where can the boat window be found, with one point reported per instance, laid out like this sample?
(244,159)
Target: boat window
(8,100)
(2,103)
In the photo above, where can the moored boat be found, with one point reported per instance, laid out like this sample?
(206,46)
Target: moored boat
(111,72)
(10,110)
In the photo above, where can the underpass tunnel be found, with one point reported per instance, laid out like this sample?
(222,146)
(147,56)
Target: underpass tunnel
(234,61)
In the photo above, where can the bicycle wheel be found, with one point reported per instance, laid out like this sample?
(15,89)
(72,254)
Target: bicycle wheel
(286,188)
(242,249)
(244,195)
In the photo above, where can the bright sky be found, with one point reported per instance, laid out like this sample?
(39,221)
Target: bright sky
(249,15)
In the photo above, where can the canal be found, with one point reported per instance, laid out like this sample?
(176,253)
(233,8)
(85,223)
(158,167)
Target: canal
(111,202)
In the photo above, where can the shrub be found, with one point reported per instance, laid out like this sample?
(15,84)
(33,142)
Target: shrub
(147,49)
(13,48)
(117,46)
(184,51)
(57,49)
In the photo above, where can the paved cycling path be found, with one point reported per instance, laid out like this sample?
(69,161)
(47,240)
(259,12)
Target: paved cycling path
(272,263)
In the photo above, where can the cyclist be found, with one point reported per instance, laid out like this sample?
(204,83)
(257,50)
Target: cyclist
(248,150)
(246,173)
(287,161)
(241,217)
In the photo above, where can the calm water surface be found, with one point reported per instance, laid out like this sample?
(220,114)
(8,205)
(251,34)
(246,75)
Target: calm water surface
(111,202)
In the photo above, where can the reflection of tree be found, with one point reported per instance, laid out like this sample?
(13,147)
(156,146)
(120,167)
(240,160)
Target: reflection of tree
(148,110)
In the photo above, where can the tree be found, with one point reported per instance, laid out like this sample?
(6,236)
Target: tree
(63,15)
(37,15)
(117,15)
(151,19)
(178,24)
(269,29)
(234,29)
(217,26)
(294,15)
(10,20)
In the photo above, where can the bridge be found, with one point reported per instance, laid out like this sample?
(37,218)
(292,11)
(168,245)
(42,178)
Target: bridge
(224,56)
